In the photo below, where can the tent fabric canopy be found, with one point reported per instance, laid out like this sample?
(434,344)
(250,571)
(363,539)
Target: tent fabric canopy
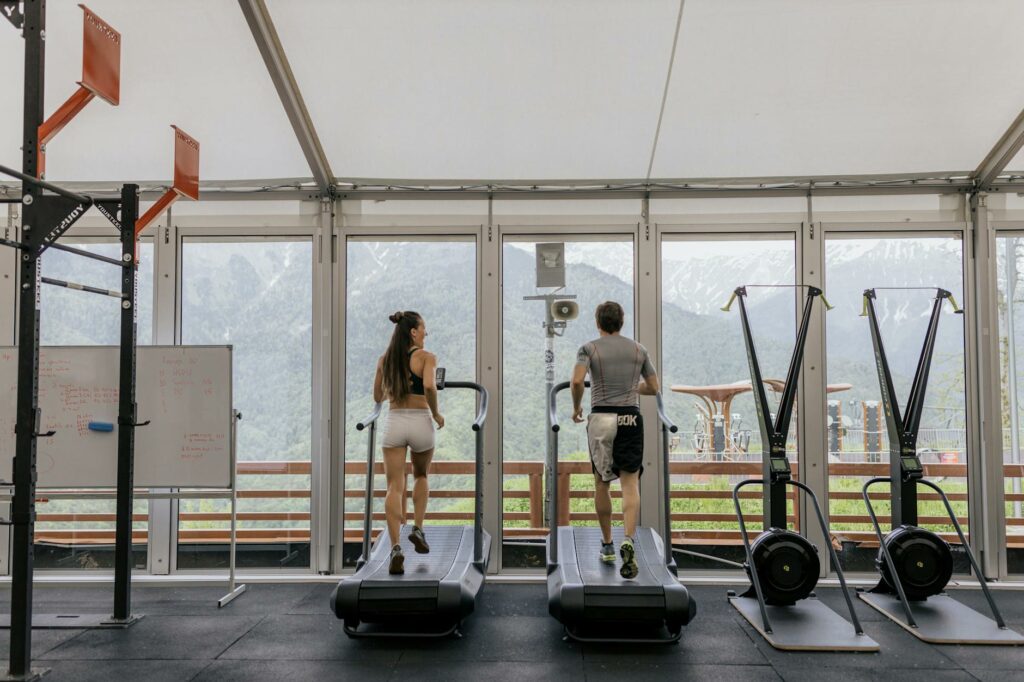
(514,90)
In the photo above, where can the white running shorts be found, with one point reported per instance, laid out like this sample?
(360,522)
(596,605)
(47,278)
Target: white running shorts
(413,429)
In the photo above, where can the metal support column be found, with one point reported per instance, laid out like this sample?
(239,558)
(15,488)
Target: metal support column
(1011,361)
(489,372)
(23,504)
(322,313)
(127,409)
(812,437)
(163,512)
(648,333)
(985,465)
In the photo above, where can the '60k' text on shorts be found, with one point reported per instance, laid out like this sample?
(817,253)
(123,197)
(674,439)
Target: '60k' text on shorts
(616,439)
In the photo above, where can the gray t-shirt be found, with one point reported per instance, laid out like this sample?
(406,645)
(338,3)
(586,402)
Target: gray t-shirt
(615,364)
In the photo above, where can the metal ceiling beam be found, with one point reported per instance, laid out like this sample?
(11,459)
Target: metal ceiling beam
(269,44)
(818,180)
(1001,155)
(654,191)
(284,189)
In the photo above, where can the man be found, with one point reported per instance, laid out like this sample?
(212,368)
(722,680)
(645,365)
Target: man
(620,370)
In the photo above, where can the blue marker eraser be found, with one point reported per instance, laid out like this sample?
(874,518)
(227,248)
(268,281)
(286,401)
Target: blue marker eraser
(101,426)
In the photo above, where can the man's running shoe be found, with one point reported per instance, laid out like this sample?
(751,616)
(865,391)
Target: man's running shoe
(397,566)
(629,568)
(418,540)
(607,552)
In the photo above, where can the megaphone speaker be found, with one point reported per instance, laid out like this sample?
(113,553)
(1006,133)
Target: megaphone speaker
(565,310)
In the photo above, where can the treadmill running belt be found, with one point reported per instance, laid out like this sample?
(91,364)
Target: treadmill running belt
(444,545)
(595,572)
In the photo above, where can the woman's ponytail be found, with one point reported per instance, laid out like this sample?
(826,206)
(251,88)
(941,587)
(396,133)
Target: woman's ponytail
(395,370)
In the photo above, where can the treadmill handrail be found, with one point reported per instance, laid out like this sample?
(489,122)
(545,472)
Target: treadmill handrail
(665,421)
(553,403)
(667,427)
(478,495)
(371,422)
(481,411)
(551,468)
(370,418)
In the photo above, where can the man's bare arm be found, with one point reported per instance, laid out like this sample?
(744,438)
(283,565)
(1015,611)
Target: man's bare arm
(649,386)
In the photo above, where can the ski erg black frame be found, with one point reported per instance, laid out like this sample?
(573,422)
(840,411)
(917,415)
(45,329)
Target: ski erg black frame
(905,469)
(776,473)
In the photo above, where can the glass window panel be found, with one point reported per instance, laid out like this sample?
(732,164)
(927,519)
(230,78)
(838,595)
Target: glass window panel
(1010,250)
(437,279)
(257,296)
(79,534)
(858,443)
(596,271)
(707,381)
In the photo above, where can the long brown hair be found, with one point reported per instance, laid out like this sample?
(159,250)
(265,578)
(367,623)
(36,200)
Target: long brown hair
(395,370)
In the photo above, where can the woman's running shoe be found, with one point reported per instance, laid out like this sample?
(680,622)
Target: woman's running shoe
(418,540)
(397,566)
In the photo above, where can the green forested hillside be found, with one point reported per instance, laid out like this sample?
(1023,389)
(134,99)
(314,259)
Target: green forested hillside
(257,296)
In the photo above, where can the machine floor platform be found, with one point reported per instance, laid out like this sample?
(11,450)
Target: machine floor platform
(944,620)
(808,625)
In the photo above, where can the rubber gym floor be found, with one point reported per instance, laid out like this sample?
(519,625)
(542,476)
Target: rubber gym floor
(287,632)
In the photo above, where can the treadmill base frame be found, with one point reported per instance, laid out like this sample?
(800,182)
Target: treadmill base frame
(356,633)
(943,620)
(807,625)
(574,635)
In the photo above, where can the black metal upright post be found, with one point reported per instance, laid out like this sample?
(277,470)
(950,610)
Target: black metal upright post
(127,408)
(904,465)
(775,466)
(26,429)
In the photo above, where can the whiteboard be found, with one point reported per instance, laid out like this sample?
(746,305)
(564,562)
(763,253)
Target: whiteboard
(184,390)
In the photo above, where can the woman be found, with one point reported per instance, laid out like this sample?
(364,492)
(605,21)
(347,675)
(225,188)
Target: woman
(405,376)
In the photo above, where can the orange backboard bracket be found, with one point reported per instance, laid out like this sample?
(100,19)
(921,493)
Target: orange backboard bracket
(186,178)
(101,77)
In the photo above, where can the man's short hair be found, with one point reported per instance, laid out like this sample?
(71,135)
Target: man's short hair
(609,316)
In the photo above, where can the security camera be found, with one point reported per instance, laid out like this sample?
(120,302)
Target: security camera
(565,310)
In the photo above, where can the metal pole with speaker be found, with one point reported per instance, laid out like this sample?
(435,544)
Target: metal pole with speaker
(559,308)
(915,564)
(782,564)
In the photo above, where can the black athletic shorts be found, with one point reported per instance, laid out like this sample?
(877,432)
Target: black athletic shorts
(616,439)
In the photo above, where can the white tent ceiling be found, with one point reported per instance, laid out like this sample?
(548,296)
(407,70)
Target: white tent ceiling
(532,89)
(189,62)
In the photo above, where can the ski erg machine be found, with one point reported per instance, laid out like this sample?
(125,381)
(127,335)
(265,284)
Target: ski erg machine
(438,590)
(585,592)
(783,565)
(916,564)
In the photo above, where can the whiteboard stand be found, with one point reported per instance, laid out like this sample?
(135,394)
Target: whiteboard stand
(233,589)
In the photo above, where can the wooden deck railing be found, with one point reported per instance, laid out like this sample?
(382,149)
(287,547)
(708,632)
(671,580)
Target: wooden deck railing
(52,527)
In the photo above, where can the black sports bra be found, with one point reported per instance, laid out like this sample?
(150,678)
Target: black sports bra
(415,382)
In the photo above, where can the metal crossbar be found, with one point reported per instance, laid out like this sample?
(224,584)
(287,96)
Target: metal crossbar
(88,254)
(75,196)
(83,287)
